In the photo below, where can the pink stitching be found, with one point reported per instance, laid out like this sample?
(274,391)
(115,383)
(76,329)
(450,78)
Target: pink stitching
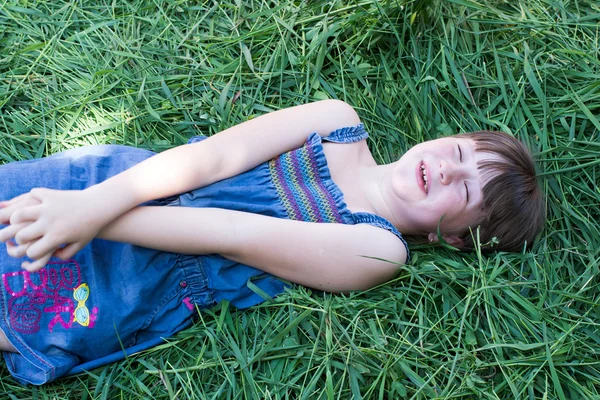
(46,291)
(188,303)
(93,316)
(24,348)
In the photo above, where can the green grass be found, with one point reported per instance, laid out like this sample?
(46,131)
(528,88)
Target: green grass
(452,325)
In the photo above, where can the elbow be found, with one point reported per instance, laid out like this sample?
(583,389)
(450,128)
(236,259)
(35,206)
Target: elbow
(343,111)
(209,163)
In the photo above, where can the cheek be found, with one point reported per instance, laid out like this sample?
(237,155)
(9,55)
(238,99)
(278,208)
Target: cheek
(457,221)
(450,206)
(449,202)
(404,187)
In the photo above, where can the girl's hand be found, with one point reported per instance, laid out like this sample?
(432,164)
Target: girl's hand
(46,223)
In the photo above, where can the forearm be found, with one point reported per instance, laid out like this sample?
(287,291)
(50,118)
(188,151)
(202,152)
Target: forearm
(175,229)
(221,156)
(174,171)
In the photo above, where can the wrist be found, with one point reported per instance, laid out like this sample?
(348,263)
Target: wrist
(109,200)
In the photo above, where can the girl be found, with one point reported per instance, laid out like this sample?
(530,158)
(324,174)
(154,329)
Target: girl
(254,201)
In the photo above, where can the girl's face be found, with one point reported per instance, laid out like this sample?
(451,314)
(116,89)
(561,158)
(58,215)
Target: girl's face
(434,179)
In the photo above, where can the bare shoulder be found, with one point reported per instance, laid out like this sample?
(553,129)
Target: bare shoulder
(383,242)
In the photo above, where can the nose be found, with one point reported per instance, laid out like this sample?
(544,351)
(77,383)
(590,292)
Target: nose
(449,172)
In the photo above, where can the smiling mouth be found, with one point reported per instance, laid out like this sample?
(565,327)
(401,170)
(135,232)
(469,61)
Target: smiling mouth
(424,177)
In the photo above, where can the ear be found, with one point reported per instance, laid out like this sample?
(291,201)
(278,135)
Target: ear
(452,240)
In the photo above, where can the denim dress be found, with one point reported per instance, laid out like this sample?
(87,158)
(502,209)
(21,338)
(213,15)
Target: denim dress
(114,299)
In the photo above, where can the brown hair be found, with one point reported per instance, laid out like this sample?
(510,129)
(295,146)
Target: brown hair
(513,204)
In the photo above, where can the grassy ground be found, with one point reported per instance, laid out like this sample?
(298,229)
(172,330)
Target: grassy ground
(452,325)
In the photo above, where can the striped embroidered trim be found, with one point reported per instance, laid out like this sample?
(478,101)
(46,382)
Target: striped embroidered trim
(295,175)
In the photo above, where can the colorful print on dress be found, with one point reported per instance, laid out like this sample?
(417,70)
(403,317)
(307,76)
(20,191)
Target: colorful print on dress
(295,175)
(50,292)
(82,314)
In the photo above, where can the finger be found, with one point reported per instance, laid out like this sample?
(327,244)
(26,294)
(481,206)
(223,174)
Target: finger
(14,200)
(41,247)
(33,266)
(31,213)
(10,231)
(68,251)
(7,212)
(28,232)
(17,251)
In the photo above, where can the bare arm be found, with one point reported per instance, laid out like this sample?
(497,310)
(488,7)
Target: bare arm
(226,154)
(332,257)
(73,218)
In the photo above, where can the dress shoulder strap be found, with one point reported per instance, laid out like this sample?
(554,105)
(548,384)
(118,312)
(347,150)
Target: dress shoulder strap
(376,220)
(195,139)
(348,134)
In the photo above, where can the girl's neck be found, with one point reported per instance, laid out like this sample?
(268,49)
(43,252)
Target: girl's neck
(374,181)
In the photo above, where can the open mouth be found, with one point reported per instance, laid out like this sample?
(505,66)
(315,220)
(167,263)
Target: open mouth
(422,172)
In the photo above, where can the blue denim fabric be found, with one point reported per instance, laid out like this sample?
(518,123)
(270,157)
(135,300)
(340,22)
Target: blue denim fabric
(136,296)
(126,298)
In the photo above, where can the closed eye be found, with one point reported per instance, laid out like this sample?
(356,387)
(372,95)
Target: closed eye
(460,156)
(467,189)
